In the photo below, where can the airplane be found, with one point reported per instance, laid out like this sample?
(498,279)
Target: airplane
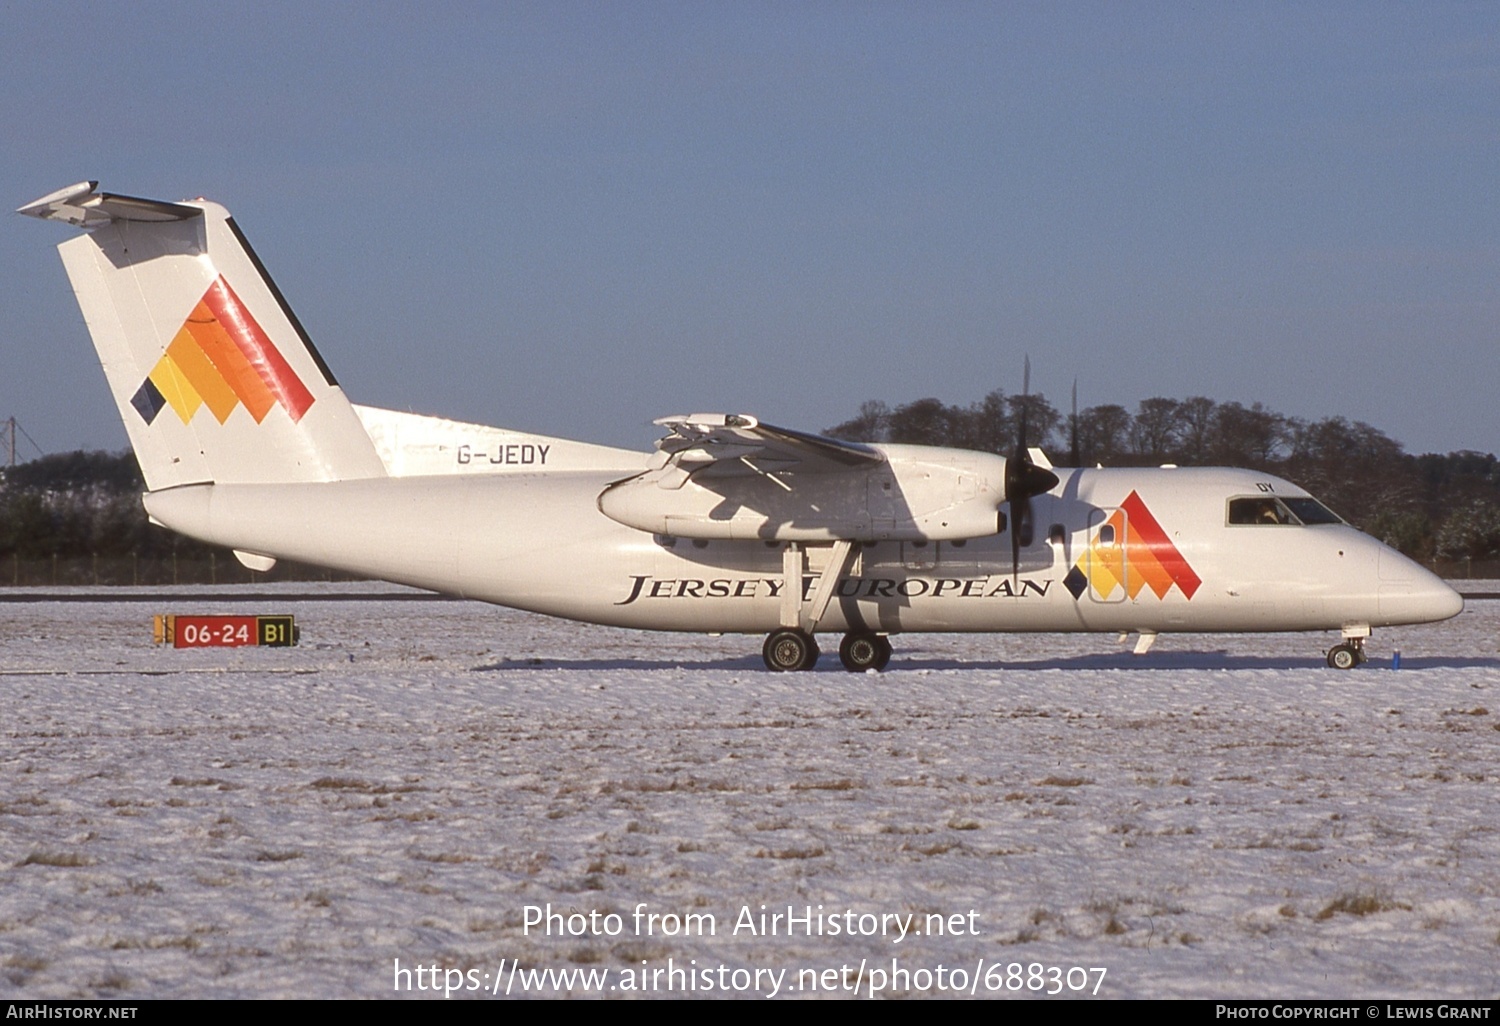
(732,525)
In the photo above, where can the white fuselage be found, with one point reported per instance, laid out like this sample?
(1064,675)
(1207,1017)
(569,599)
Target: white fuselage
(538,541)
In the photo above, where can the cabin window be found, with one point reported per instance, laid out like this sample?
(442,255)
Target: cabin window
(1107,534)
(1056,533)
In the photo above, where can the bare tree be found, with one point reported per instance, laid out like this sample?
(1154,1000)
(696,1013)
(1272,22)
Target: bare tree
(1153,435)
(1041,418)
(922,422)
(1195,433)
(1250,436)
(1103,434)
(872,424)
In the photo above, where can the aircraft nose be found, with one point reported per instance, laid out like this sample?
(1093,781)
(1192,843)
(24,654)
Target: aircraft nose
(1424,603)
(1412,594)
(1444,602)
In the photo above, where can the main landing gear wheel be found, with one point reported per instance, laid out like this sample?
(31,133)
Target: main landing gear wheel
(790,649)
(861,652)
(1346,656)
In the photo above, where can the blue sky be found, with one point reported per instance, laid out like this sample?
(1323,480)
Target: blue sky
(573,218)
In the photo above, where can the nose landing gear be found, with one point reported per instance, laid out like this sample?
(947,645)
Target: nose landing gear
(1351,651)
(1347,655)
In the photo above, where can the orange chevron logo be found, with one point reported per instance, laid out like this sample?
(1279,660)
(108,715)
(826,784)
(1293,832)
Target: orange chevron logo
(1131,551)
(220,358)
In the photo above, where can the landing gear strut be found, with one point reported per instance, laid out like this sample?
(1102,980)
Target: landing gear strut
(1347,655)
(791,646)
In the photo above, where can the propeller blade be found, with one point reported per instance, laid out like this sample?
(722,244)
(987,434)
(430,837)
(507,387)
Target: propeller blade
(1023,479)
(1025,409)
(1018,509)
(1074,457)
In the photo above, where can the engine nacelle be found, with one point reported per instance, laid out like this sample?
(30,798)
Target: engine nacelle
(918,494)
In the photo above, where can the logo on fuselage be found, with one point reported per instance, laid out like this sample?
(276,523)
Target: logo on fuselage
(645,586)
(1130,551)
(221,358)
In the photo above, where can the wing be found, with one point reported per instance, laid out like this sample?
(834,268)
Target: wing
(706,446)
(718,475)
(728,476)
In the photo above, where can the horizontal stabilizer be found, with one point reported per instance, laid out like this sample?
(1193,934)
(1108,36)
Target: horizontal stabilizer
(79,205)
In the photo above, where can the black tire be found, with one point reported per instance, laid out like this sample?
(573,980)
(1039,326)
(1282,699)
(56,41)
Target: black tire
(1343,657)
(813,652)
(789,649)
(861,652)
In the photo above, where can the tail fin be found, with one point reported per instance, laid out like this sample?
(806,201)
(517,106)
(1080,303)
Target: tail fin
(214,376)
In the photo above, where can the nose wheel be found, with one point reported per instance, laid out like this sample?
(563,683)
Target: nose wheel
(1347,655)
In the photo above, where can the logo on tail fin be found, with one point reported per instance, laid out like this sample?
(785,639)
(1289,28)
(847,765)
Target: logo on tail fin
(1131,550)
(221,358)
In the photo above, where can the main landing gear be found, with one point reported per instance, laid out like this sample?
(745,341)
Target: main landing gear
(791,648)
(861,652)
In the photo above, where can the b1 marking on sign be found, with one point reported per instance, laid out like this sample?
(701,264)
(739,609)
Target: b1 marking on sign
(223,631)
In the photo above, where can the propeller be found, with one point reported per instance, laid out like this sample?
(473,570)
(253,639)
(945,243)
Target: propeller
(1023,479)
(1074,459)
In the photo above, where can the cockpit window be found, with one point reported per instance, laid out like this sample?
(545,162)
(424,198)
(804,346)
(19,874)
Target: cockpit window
(1311,511)
(1260,510)
(1265,509)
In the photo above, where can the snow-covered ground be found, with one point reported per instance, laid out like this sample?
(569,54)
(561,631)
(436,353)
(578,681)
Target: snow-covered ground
(1224,817)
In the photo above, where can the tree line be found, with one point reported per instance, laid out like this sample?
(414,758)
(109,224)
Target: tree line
(1431,507)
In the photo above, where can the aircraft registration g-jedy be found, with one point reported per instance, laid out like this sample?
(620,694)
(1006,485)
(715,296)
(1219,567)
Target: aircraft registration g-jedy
(246,440)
